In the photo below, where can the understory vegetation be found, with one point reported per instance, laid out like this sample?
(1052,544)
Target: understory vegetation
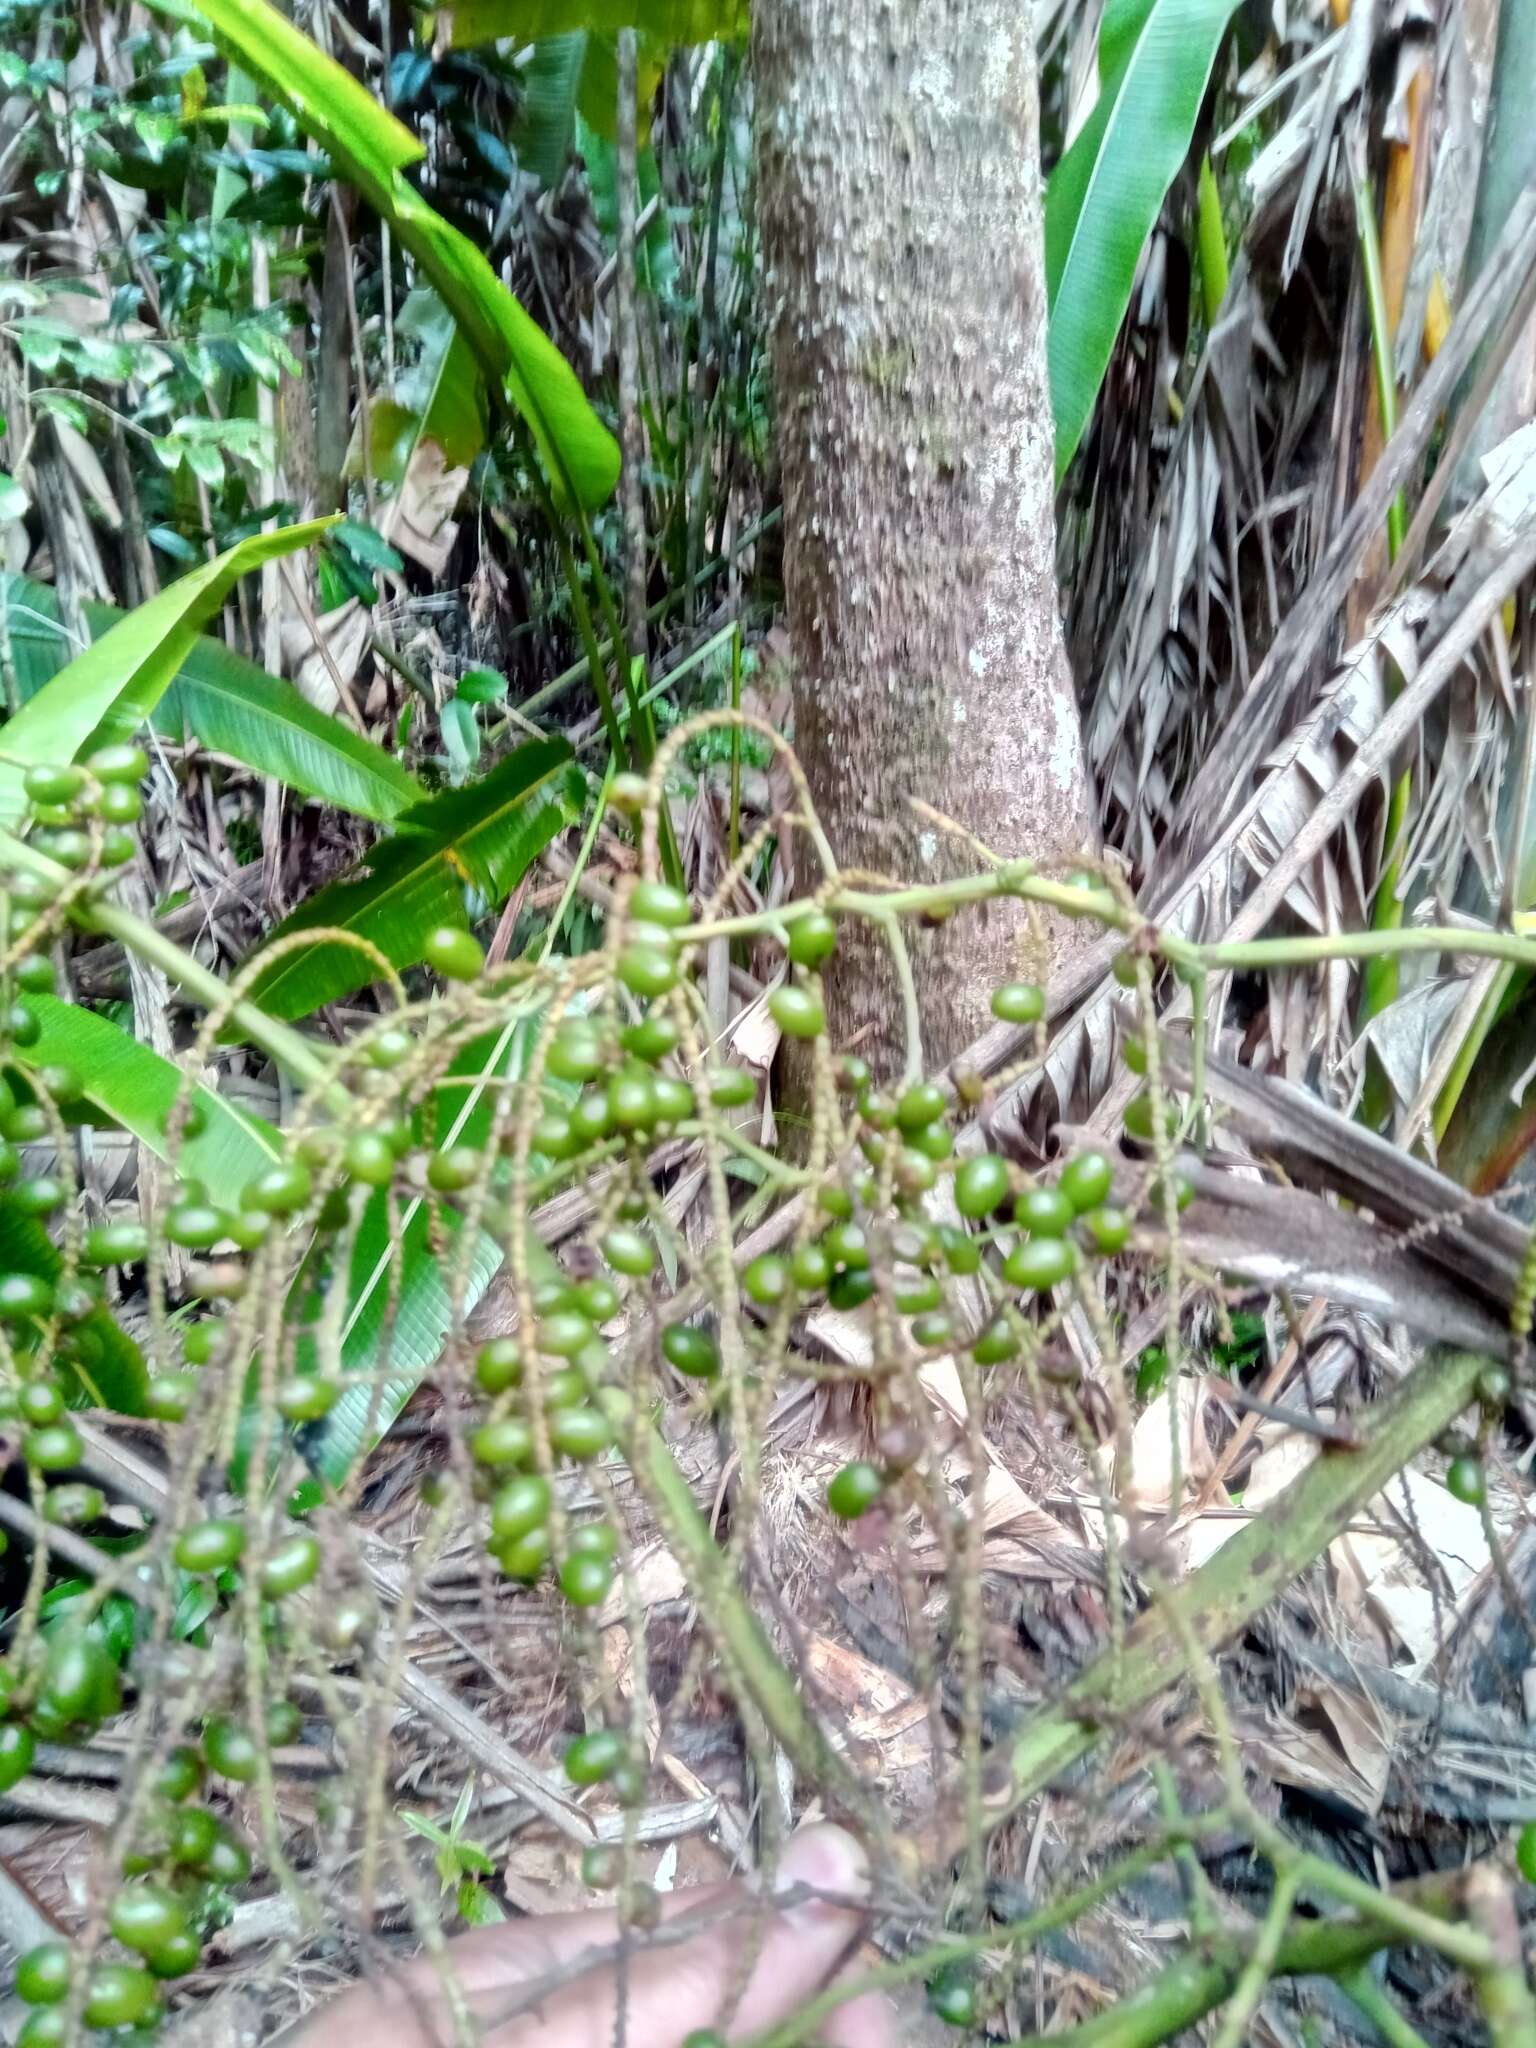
(507,1405)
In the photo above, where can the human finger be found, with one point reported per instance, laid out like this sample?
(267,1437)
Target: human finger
(525,1981)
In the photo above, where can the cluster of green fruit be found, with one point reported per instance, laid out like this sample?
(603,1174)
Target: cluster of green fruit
(185,1859)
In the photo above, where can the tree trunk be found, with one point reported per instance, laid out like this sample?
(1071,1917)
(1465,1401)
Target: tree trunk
(900,201)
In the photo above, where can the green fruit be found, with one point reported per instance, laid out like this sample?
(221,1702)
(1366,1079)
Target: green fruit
(196,1226)
(565,1334)
(1138,1117)
(17,1749)
(285,1724)
(176,1955)
(553,1136)
(591,1757)
(953,1998)
(39,1195)
(522,1504)
(935,1332)
(659,903)
(675,1100)
(498,1366)
(1086,1180)
(46,2027)
(850,1287)
(43,1974)
(917,1297)
(652,1038)
(306,1397)
(453,953)
(853,1073)
(69,848)
(705,2037)
(575,1052)
(120,1995)
(933,1141)
(586,1581)
(59,1080)
(692,1351)
(647,970)
(38,1401)
(370,1158)
(119,804)
(180,1775)
(565,1388)
(766,1281)
(810,1267)
(594,1539)
(632,1100)
(80,1681)
(118,846)
(835,1201)
(280,1190)
(169,1396)
(124,762)
(812,938)
(797,1012)
(1040,1263)
(292,1564)
(1044,1211)
(591,1119)
(628,1252)
(144,1917)
(54,1448)
(34,974)
(194,1833)
(1467,1480)
(580,1433)
(598,1299)
(1525,1852)
(1107,1229)
(26,1123)
(1019,1002)
(53,783)
(228,1860)
(981,1184)
(1183,1192)
(526,1556)
(877,1109)
(854,1490)
(390,1046)
(846,1245)
(998,1342)
(730,1087)
(73,1506)
(231,1751)
(962,1254)
(923,1103)
(506,1441)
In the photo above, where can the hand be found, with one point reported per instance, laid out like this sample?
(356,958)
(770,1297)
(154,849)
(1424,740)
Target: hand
(674,1982)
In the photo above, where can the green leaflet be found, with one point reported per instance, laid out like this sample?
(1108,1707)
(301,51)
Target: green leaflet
(115,683)
(373,149)
(230,706)
(440,398)
(530,21)
(133,1086)
(483,836)
(1155,61)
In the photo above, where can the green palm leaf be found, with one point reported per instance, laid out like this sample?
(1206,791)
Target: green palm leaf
(229,705)
(1155,61)
(483,836)
(113,685)
(373,150)
(129,1084)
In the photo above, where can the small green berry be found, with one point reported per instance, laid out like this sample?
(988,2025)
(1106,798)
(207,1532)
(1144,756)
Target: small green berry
(1019,1002)
(453,953)
(854,1490)
(797,1012)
